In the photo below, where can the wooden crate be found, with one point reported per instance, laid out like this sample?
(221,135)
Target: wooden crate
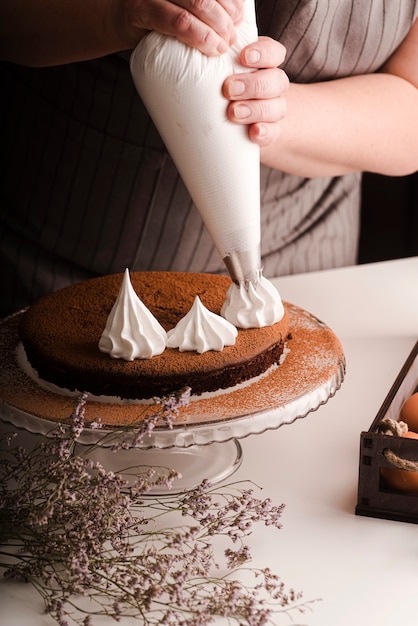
(375,499)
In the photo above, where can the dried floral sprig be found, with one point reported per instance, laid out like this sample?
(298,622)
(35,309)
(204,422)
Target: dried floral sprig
(147,420)
(92,544)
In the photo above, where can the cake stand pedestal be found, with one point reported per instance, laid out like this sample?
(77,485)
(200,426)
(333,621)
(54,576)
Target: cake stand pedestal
(204,440)
(214,462)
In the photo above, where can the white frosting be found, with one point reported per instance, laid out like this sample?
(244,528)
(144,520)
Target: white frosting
(132,332)
(253,305)
(220,166)
(201,330)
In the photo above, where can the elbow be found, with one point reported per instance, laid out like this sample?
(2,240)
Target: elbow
(402,167)
(403,162)
(407,171)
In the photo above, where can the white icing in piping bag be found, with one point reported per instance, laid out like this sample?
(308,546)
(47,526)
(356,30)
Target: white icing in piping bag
(219,165)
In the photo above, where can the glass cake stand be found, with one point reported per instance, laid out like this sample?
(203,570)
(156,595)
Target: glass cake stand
(204,441)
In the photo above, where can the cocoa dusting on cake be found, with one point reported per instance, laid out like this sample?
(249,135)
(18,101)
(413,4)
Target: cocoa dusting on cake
(60,334)
(315,355)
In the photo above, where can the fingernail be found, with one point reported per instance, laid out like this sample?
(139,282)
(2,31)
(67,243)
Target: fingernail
(236,88)
(241,111)
(252,56)
(222,47)
(262,131)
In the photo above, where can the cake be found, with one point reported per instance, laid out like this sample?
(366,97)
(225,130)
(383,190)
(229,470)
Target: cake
(311,372)
(60,334)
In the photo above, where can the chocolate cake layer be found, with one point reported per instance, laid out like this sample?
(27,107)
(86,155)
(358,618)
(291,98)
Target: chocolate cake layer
(61,331)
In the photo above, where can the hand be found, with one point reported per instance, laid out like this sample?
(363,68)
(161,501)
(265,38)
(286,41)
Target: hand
(257,98)
(208,26)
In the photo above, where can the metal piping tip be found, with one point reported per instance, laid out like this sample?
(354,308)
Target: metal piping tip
(244,267)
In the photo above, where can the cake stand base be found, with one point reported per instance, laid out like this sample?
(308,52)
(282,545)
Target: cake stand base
(214,462)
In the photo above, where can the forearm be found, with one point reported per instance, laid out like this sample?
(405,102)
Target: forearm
(360,123)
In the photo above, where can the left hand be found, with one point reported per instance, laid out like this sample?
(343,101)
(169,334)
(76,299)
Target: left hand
(257,98)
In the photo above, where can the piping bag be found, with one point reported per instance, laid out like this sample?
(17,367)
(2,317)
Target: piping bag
(182,91)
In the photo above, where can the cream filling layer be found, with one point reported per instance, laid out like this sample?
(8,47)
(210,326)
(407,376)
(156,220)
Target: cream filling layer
(30,371)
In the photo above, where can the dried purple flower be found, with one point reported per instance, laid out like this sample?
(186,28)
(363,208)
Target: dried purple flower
(83,531)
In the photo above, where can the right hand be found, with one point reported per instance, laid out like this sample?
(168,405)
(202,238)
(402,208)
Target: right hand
(208,26)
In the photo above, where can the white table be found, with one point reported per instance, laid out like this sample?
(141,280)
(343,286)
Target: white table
(364,570)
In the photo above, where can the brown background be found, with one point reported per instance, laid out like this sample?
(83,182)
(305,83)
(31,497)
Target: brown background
(389,227)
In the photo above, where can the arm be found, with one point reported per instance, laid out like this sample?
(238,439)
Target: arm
(54,32)
(359,123)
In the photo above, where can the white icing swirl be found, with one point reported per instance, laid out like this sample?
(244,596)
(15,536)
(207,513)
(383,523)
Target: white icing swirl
(132,332)
(253,305)
(201,330)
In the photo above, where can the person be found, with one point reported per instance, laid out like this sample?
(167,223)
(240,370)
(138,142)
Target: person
(87,187)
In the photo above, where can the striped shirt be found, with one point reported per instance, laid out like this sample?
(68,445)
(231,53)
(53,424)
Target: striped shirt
(87,186)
